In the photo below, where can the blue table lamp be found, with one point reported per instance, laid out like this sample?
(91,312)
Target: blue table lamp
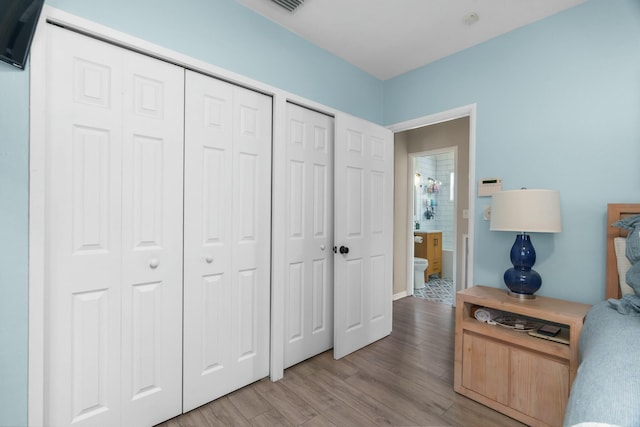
(525,211)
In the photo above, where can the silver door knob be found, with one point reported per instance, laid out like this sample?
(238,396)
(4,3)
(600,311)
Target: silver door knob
(209,259)
(322,247)
(153,263)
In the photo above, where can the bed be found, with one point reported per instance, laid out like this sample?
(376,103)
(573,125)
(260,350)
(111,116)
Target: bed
(606,391)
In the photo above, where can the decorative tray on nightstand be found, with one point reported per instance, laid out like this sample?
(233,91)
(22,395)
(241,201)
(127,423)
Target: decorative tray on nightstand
(517,323)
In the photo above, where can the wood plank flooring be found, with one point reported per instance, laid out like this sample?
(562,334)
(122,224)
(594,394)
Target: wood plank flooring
(405,379)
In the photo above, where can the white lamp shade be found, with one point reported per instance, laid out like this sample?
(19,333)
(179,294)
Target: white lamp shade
(526,211)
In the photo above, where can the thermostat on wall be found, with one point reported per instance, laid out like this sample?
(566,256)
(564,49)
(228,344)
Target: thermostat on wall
(488,186)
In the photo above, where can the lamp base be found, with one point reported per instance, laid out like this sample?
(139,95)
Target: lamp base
(525,297)
(522,283)
(521,280)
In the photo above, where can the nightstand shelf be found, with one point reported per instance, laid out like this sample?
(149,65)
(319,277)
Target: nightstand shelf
(524,377)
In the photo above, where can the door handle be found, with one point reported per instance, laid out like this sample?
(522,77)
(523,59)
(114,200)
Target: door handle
(343,250)
(209,259)
(153,263)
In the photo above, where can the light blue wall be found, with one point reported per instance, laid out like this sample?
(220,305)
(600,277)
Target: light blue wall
(558,106)
(14,226)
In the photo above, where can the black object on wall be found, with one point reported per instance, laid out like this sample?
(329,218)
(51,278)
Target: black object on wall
(18,19)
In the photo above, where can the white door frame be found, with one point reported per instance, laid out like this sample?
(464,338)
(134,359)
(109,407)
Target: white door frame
(444,116)
(411,197)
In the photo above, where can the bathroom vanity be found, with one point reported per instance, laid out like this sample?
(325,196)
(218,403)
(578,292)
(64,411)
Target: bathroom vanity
(431,250)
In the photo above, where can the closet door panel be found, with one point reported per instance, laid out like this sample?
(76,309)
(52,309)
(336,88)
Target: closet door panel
(152,239)
(208,280)
(309,282)
(364,203)
(83,240)
(227,238)
(252,134)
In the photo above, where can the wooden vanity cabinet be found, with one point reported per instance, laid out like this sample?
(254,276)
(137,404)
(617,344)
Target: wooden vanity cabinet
(431,250)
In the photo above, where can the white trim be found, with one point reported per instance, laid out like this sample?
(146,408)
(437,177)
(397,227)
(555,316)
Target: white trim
(409,230)
(465,263)
(278,241)
(400,295)
(432,119)
(37,295)
(455,113)
(37,127)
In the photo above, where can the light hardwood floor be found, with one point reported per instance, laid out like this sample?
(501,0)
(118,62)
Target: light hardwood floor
(405,379)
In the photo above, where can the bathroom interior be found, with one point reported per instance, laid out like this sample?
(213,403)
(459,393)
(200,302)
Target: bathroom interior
(434,225)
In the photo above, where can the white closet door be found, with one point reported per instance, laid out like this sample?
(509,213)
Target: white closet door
(363,285)
(227,238)
(309,228)
(112,135)
(152,154)
(83,232)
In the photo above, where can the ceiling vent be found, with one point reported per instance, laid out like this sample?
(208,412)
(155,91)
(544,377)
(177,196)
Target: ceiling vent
(290,5)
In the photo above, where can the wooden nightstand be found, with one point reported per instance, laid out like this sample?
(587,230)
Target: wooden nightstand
(524,377)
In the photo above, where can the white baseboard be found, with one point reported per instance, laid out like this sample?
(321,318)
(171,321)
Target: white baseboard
(400,295)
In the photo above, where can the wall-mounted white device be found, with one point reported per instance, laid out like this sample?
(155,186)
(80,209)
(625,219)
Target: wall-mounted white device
(488,186)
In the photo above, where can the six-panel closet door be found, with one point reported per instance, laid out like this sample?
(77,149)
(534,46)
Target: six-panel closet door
(113,235)
(363,204)
(309,231)
(227,234)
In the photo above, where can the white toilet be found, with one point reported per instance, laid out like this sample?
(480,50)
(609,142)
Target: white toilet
(419,266)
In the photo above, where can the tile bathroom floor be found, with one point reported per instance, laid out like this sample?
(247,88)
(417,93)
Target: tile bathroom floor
(437,290)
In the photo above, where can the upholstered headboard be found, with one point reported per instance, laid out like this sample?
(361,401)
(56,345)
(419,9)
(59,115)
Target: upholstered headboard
(616,211)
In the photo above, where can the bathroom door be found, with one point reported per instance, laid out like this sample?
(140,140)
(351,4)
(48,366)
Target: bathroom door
(363,262)
(227,238)
(308,313)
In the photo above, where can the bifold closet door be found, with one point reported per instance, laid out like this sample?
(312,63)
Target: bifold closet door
(227,252)
(309,228)
(113,235)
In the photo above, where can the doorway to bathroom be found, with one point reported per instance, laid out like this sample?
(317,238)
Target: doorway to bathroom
(430,135)
(434,222)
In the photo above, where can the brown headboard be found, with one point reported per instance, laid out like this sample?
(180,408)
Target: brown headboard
(616,211)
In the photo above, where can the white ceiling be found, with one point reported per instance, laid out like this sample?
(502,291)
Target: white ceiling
(387,38)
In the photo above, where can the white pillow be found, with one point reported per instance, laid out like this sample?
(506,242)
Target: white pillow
(623,263)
